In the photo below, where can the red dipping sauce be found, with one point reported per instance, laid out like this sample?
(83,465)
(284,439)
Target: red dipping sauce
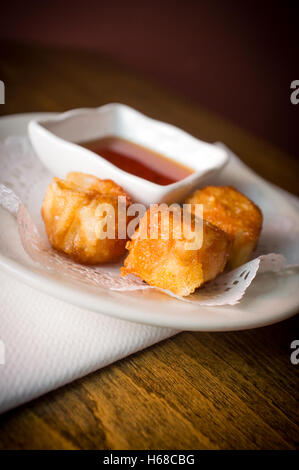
(138,160)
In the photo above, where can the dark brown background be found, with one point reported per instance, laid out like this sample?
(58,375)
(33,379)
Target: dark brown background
(235,58)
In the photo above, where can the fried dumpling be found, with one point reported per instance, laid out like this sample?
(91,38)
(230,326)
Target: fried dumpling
(76,212)
(166,260)
(235,214)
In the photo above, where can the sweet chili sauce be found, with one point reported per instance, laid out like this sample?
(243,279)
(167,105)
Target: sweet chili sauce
(138,160)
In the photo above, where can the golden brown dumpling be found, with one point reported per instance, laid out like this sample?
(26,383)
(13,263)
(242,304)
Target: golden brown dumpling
(166,263)
(73,222)
(235,214)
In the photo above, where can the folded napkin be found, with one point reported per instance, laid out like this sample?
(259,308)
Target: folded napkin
(46,343)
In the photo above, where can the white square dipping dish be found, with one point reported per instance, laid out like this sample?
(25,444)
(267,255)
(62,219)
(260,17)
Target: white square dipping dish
(56,141)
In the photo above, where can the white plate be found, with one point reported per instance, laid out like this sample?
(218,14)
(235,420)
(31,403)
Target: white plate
(269,299)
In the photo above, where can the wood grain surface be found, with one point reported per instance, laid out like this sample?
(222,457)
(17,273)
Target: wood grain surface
(234,390)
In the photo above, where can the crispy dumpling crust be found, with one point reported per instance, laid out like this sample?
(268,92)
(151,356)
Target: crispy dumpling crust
(70,215)
(235,214)
(166,263)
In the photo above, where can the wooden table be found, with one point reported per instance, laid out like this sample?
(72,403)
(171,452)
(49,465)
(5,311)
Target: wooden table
(234,390)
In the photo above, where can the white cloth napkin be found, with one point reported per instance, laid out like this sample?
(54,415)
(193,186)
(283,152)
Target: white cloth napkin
(46,343)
